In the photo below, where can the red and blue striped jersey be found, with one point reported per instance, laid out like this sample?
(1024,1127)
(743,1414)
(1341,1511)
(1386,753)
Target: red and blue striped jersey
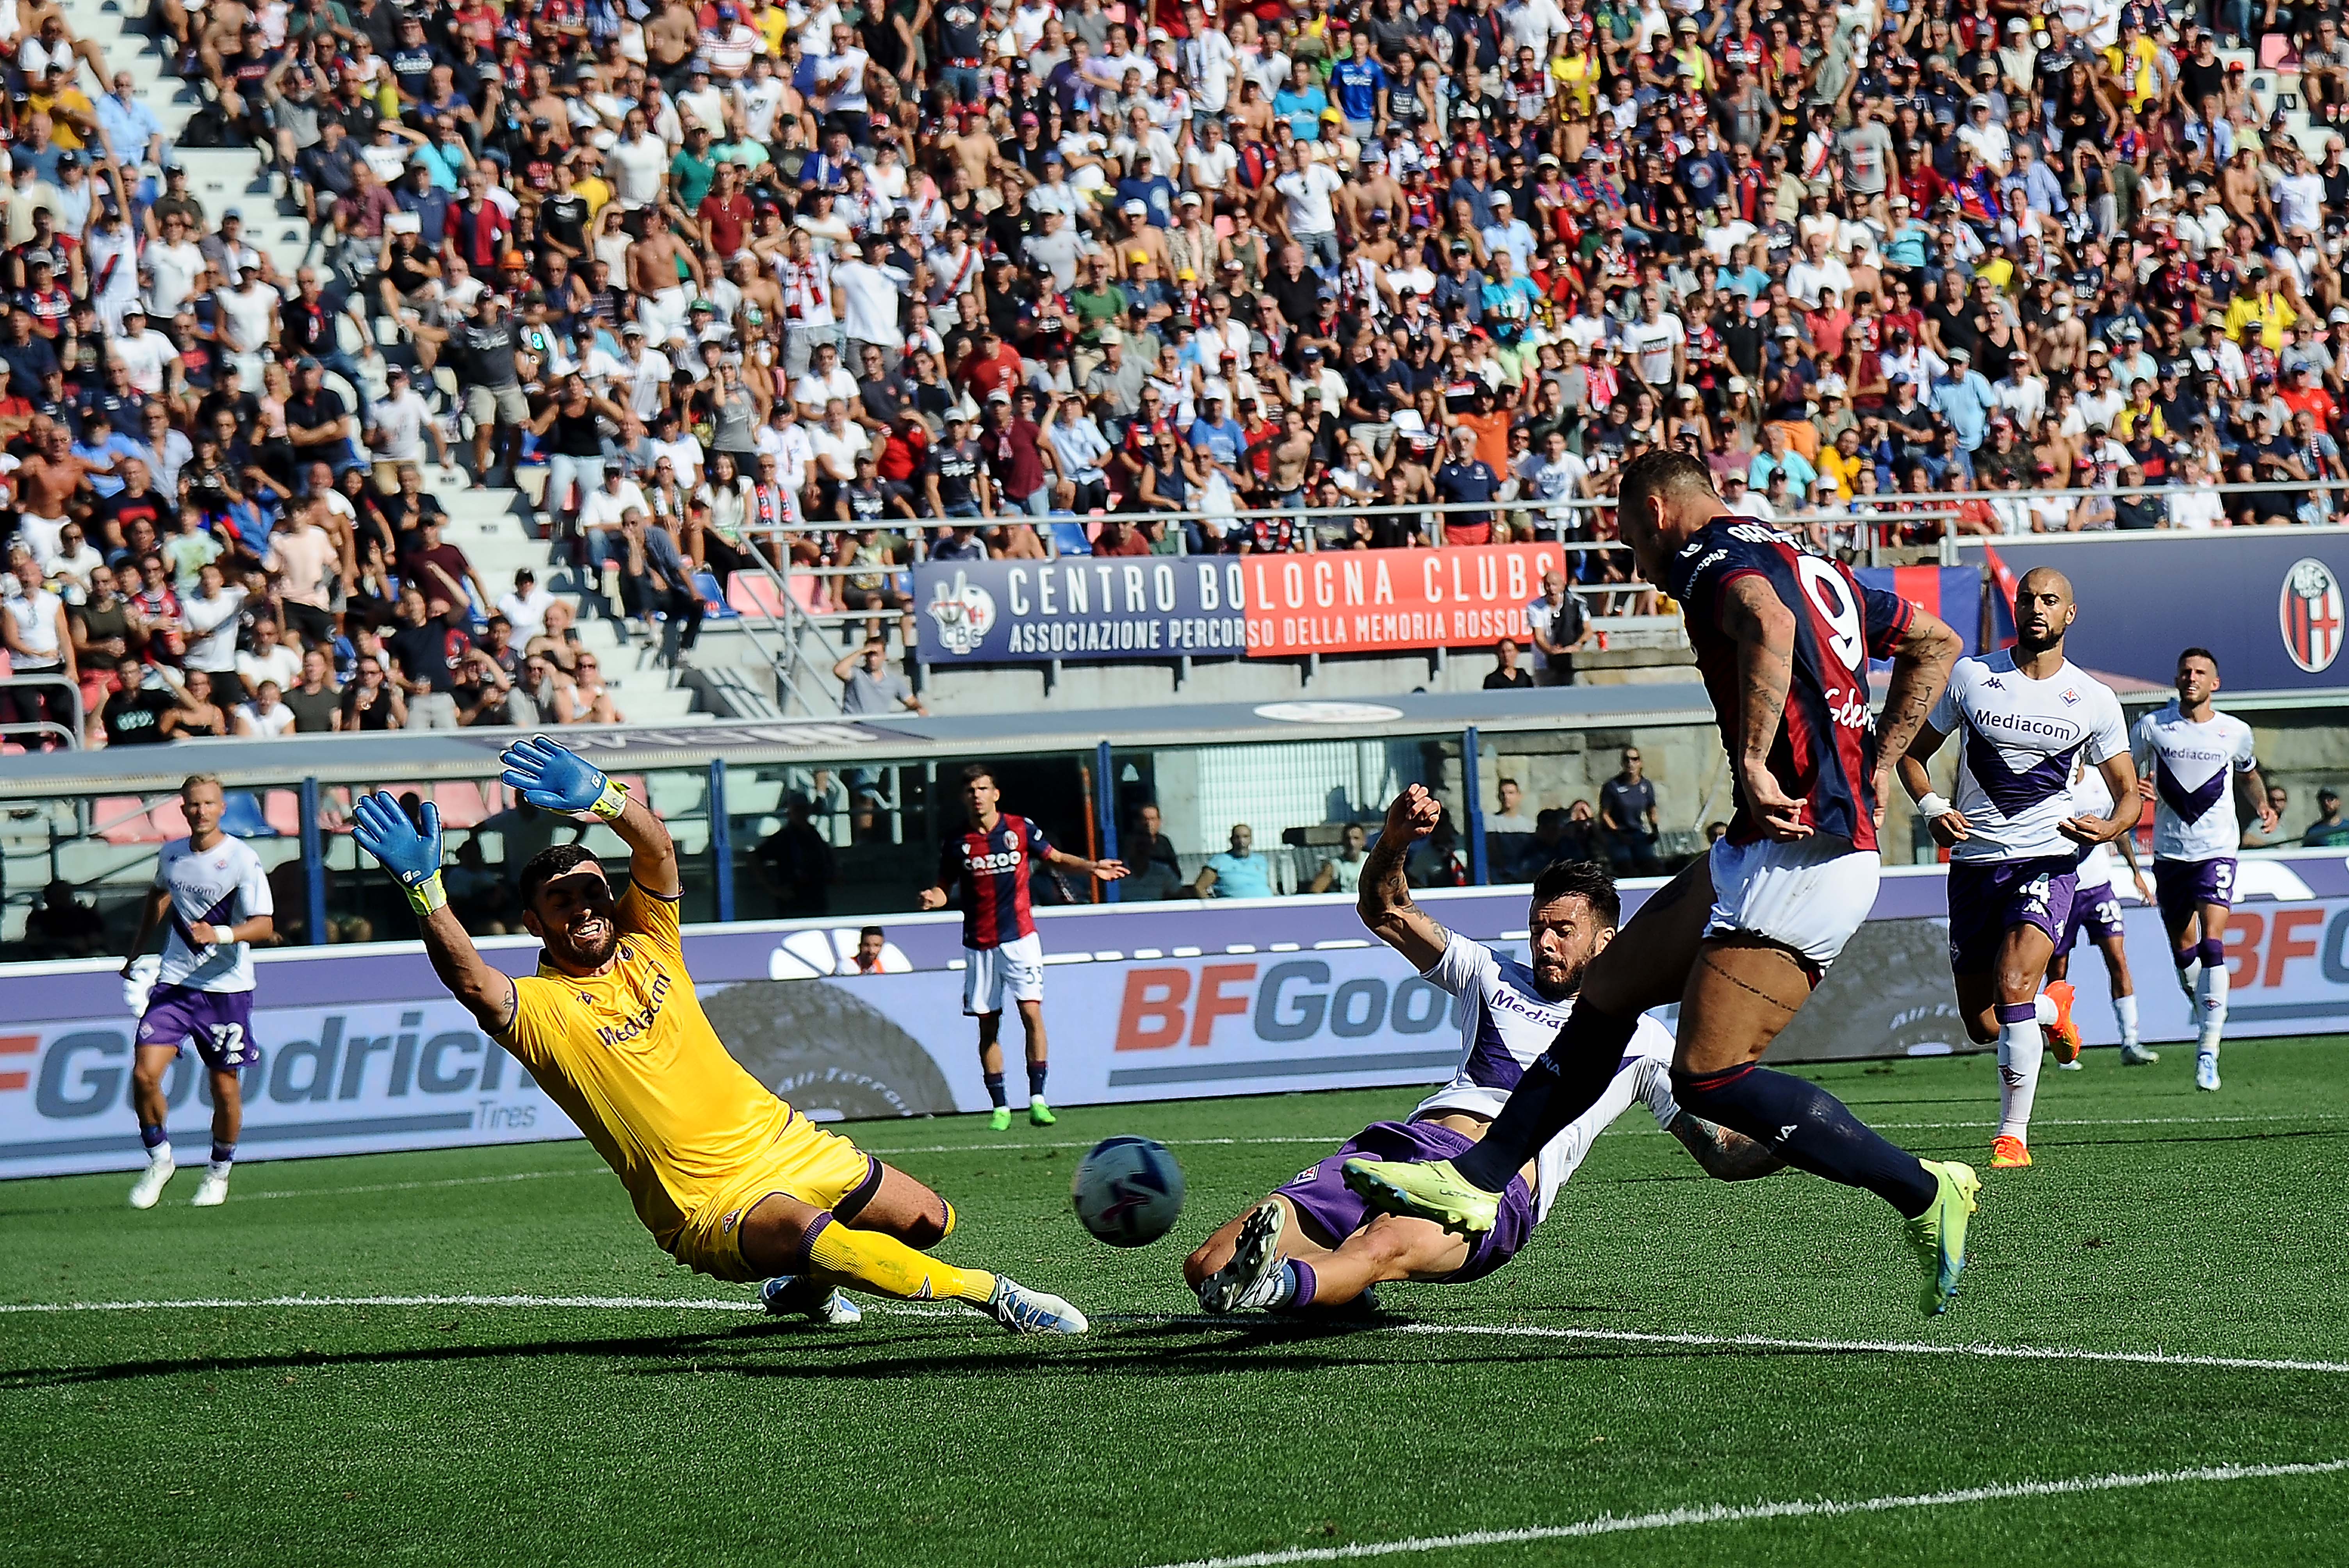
(991,867)
(1825,752)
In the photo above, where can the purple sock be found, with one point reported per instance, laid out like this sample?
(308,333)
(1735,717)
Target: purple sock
(224,1153)
(2212,951)
(151,1136)
(1302,1272)
(1036,1073)
(2189,954)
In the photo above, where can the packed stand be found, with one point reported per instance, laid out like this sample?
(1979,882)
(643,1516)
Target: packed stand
(763,285)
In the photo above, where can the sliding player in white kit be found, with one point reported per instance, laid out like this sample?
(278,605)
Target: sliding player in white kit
(216,895)
(2014,836)
(2096,913)
(1314,1244)
(2190,753)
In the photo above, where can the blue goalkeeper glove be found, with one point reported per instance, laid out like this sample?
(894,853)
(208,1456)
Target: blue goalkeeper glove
(554,778)
(411,856)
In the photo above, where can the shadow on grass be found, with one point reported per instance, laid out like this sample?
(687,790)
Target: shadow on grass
(1162,1347)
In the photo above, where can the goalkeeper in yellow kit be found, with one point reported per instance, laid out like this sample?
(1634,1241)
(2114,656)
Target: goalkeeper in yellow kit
(729,1179)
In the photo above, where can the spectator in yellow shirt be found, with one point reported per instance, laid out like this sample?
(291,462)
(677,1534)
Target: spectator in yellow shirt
(2265,308)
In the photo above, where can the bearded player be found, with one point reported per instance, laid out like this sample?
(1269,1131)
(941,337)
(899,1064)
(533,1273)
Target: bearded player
(2026,714)
(731,1180)
(1313,1244)
(2191,754)
(1740,938)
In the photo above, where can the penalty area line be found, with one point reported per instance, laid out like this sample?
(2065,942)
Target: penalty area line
(1799,1508)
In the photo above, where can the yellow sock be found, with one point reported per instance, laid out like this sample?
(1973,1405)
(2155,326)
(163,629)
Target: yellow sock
(887,1266)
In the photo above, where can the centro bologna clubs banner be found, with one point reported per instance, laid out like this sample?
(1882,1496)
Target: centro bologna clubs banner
(361,1051)
(2269,605)
(1157,607)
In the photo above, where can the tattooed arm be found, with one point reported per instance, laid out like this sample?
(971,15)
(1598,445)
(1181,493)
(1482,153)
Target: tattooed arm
(1763,629)
(1385,903)
(1920,668)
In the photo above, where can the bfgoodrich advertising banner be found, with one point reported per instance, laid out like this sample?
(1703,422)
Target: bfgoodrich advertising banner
(2269,605)
(1158,607)
(361,1051)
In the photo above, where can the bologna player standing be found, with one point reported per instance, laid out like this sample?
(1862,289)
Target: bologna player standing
(1740,938)
(2191,753)
(2025,716)
(990,862)
(215,895)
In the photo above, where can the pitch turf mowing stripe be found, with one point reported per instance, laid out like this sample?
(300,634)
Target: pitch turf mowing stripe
(1520,1331)
(1673,1519)
(1328,1141)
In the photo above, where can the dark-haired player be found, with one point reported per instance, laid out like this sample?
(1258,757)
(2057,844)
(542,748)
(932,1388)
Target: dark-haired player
(1739,939)
(990,862)
(1314,1242)
(2190,754)
(731,1180)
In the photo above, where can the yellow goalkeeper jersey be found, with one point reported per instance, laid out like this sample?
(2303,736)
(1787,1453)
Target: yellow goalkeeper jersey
(630,1057)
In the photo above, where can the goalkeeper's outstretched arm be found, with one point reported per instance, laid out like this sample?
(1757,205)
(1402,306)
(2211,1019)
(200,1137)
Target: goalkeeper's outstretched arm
(411,852)
(552,777)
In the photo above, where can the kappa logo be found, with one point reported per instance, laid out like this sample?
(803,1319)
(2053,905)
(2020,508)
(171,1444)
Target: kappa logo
(1993,684)
(965,614)
(2309,615)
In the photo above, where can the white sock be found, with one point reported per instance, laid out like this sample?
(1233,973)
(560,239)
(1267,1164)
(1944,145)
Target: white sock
(2189,975)
(2211,997)
(2047,1006)
(160,1153)
(2125,1009)
(2020,1048)
(220,1168)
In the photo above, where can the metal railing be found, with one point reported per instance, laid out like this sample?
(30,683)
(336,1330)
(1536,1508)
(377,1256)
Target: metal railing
(39,728)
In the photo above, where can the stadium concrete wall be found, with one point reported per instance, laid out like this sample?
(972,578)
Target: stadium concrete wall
(361,1051)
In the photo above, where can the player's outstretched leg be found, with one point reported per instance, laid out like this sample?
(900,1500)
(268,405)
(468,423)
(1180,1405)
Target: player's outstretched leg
(1742,993)
(2210,1008)
(1643,967)
(1264,1261)
(875,1249)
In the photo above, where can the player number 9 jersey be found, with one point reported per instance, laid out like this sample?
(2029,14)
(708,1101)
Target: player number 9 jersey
(1825,752)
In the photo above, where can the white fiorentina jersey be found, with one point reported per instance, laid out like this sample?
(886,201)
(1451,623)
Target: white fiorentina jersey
(2019,738)
(1504,1023)
(219,886)
(2193,768)
(2091,798)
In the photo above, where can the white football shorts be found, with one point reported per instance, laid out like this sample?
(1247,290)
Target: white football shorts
(990,974)
(1809,894)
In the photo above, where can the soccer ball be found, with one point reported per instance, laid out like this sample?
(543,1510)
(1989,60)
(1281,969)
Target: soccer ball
(1128,1191)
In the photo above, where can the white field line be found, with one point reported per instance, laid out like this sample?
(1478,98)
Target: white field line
(1805,1507)
(243,1197)
(1523,1331)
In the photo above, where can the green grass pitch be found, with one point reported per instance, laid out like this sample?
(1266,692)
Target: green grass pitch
(2160,1223)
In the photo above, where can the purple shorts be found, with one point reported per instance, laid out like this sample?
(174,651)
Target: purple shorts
(218,1023)
(1988,899)
(2182,887)
(2095,910)
(1322,1196)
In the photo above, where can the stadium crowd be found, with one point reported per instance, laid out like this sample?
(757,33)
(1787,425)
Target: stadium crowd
(840,286)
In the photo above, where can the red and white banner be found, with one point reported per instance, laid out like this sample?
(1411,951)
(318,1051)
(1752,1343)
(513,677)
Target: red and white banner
(1373,601)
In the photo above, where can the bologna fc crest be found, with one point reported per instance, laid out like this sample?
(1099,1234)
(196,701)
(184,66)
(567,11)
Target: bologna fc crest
(964,614)
(2309,615)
